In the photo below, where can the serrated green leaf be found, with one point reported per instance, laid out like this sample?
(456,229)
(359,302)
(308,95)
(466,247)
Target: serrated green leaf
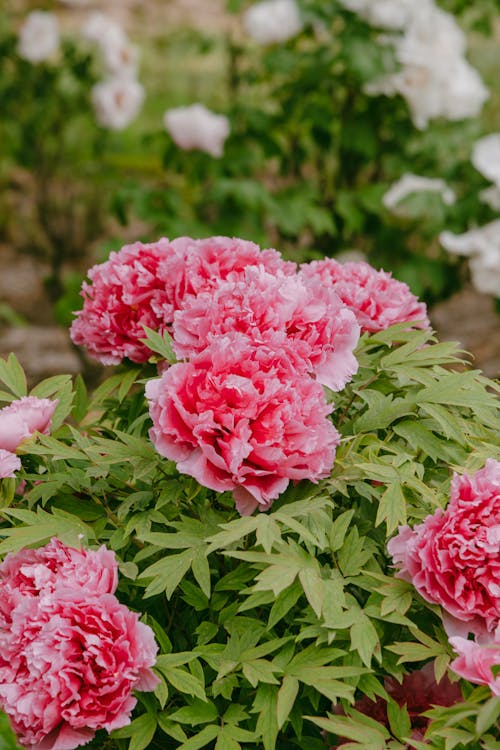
(141,731)
(199,712)
(392,508)
(202,738)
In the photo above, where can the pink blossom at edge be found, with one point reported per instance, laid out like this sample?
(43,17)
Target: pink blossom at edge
(377,300)
(453,557)
(21,418)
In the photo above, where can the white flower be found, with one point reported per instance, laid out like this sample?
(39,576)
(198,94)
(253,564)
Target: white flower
(386,14)
(435,78)
(491,196)
(482,246)
(272,21)
(196,127)
(98,27)
(38,36)
(120,57)
(412,183)
(486,157)
(117,102)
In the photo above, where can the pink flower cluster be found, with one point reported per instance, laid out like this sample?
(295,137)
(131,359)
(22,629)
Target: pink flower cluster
(70,653)
(453,559)
(377,300)
(18,421)
(245,411)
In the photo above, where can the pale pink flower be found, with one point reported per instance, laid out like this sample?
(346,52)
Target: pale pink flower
(23,417)
(38,36)
(9,464)
(244,418)
(273,21)
(126,293)
(475,662)
(32,572)
(453,557)
(196,127)
(69,662)
(117,100)
(195,266)
(377,300)
(260,303)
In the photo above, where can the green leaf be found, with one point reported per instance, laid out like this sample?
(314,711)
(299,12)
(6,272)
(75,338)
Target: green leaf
(313,589)
(168,573)
(338,529)
(489,713)
(286,698)
(399,720)
(12,374)
(141,731)
(201,571)
(392,508)
(364,639)
(160,344)
(201,739)
(267,722)
(183,681)
(199,712)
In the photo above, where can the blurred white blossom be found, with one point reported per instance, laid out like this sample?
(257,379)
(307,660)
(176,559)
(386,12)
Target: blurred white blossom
(387,14)
(482,246)
(38,36)
(412,183)
(272,21)
(117,102)
(196,127)
(486,157)
(119,55)
(435,78)
(491,197)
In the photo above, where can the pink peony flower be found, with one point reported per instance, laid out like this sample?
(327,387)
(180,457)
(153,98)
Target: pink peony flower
(127,293)
(475,662)
(9,464)
(20,419)
(197,266)
(142,285)
(418,691)
(32,572)
(453,557)
(377,300)
(260,303)
(68,665)
(243,418)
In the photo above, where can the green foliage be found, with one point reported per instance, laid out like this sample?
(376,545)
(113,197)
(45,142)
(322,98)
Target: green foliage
(265,622)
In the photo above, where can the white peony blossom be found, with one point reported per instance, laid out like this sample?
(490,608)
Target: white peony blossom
(486,157)
(482,246)
(386,14)
(196,127)
(117,102)
(272,21)
(38,36)
(120,57)
(491,197)
(435,78)
(412,183)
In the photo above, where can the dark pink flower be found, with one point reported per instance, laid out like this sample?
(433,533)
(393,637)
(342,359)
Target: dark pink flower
(126,293)
(9,464)
(32,572)
(21,418)
(475,661)
(196,266)
(419,692)
(69,662)
(377,300)
(453,557)
(244,418)
(260,302)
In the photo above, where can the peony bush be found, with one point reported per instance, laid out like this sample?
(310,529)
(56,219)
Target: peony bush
(273,525)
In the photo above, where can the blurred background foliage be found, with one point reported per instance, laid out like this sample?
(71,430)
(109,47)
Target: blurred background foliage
(309,156)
